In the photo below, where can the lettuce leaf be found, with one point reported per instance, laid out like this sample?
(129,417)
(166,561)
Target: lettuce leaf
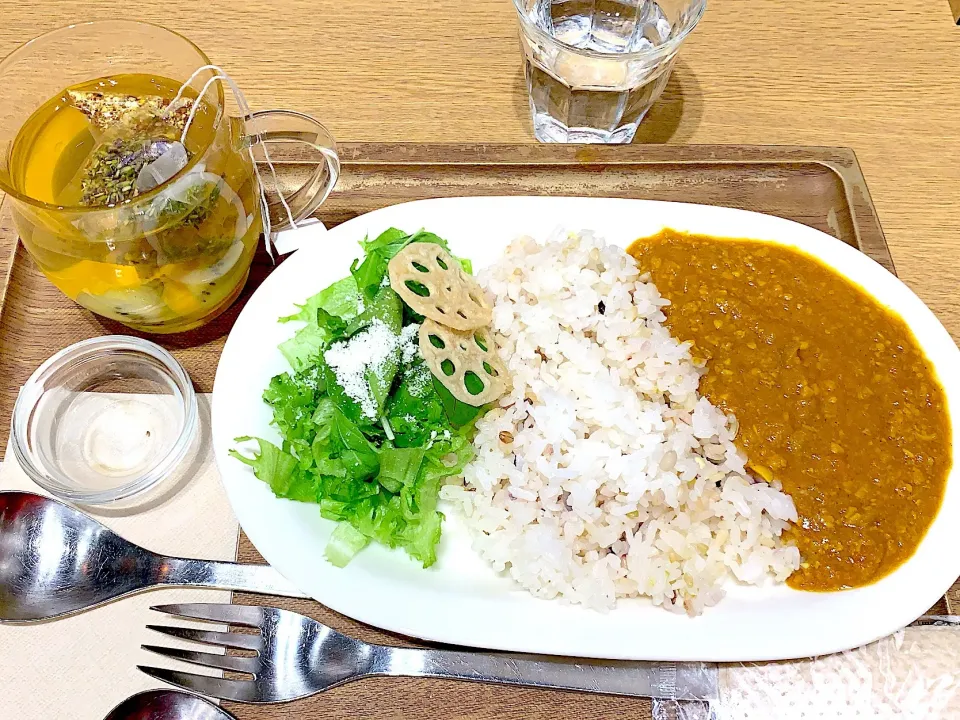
(400,467)
(344,543)
(458,413)
(390,242)
(279,470)
(351,447)
(325,314)
(304,346)
(342,299)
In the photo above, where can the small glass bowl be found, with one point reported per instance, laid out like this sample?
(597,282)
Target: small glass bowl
(105,421)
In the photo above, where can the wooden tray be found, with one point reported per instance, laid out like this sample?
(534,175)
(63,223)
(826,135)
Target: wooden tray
(820,187)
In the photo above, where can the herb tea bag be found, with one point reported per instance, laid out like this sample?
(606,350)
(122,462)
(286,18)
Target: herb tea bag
(107,110)
(183,206)
(142,146)
(137,131)
(173,159)
(111,175)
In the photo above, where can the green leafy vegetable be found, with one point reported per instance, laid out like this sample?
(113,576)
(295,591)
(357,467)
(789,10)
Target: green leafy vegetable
(302,347)
(385,306)
(457,411)
(357,454)
(391,241)
(369,274)
(323,313)
(400,467)
(341,299)
(333,326)
(378,477)
(279,470)
(345,542)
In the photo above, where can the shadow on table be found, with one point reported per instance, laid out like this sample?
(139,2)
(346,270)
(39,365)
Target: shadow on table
(676,115)
(521,99)
(213,331)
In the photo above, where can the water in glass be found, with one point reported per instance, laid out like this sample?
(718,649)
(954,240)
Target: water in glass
(595,67)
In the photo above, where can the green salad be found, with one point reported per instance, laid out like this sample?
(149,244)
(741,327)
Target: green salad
(368,432)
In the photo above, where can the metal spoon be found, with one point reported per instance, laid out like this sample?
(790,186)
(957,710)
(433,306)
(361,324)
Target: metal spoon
(55,560)
(167,705)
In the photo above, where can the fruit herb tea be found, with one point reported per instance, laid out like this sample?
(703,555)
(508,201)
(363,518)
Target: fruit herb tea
(154,215)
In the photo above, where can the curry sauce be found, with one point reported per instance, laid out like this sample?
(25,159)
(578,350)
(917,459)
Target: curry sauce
(833,395)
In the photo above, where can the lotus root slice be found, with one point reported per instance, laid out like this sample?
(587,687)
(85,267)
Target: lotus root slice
(465,362)
(434,284)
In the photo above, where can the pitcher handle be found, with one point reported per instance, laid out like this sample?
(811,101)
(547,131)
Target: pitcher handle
(279,127)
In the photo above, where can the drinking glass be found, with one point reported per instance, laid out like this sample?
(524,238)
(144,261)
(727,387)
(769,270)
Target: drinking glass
(595,67)
(172,256)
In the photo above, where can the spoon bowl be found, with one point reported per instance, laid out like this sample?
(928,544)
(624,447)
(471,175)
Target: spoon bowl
(167,705)
(56,560)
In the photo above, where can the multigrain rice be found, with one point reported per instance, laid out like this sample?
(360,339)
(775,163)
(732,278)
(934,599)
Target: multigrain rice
(602,473)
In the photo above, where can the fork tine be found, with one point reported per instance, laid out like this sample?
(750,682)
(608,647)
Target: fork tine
(212,660)
(248,615)
(237,690)
(239,641)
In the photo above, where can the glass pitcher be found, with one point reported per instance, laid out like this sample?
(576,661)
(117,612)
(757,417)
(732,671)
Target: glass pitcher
(137,198)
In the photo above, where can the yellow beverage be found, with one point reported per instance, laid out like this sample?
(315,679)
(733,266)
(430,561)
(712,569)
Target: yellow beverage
(132,223)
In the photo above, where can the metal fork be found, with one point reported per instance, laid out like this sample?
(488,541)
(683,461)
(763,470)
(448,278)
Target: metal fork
(297,656)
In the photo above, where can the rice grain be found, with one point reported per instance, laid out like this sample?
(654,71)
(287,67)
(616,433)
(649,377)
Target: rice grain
(619,480)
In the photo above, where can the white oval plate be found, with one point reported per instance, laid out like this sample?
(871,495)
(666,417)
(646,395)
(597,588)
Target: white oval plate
(460,600)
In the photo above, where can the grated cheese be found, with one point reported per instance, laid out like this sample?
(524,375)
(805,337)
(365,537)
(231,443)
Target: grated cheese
(367,353)
(420,380)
